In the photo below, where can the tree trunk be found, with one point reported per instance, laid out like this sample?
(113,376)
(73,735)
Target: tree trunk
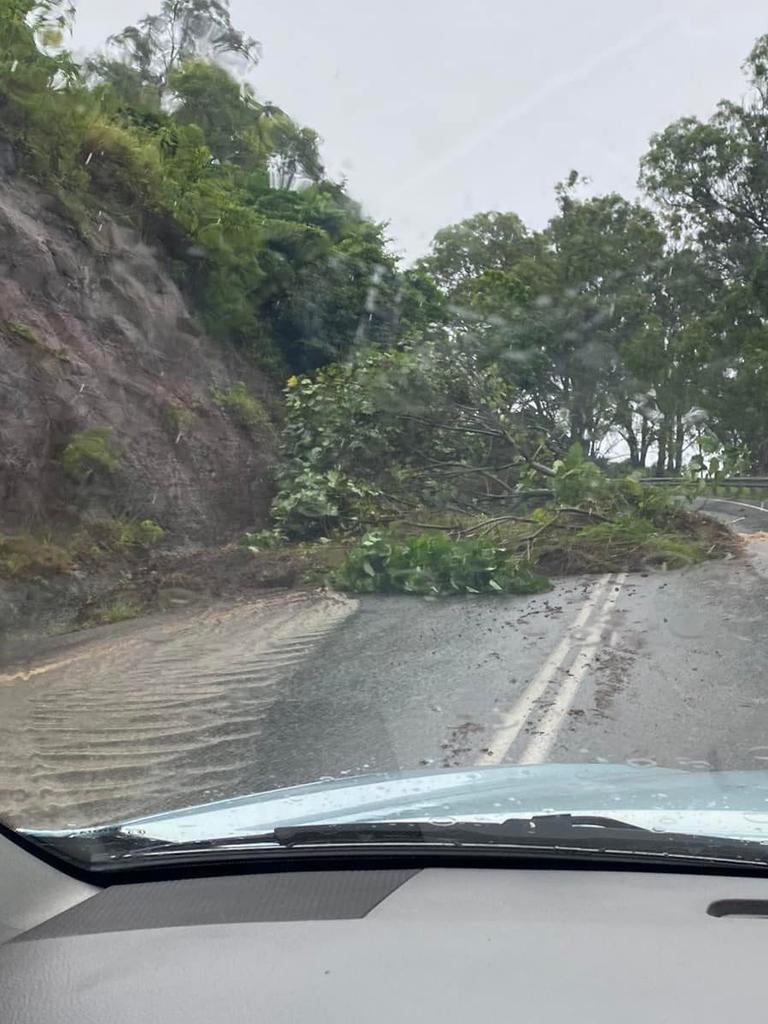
(661,467)
(577,428)
(631,440)
(679,441)
(625,422)
(646,436)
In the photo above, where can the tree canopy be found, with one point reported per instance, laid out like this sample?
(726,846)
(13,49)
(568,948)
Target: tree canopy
(632,326)
(157,129)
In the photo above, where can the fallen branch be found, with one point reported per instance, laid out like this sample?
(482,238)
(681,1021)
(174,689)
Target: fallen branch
(467,470)
(475,469)
(430,526)
(539,467)
(584,512)
(399,501)
(543,493)
(455,430)
(528,541)
(488,524)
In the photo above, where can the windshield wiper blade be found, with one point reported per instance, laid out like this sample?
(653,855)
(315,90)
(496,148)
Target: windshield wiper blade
(542,825)
(559,836)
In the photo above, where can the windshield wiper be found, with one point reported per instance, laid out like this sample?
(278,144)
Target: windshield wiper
(565,837)
(539,828)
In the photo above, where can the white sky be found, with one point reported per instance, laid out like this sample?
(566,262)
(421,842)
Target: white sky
(436,109)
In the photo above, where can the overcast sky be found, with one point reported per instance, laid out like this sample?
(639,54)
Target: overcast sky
(435,109)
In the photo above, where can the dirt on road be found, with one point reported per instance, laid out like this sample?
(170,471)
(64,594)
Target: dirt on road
(150,714)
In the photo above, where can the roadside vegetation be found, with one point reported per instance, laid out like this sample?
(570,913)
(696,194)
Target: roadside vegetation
(474,423)
(243,407)
(155,130)
(440,486)
(92,543)
(109,612)
(89,451)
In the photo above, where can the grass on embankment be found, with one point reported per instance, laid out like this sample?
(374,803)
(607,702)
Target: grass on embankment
(93,542)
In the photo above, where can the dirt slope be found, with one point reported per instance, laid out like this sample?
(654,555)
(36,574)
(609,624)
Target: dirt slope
(95,333)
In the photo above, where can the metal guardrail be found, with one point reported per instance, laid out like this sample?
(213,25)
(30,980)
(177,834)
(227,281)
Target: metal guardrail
(756,482)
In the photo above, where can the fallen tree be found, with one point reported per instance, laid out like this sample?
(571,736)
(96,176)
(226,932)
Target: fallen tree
(437,478)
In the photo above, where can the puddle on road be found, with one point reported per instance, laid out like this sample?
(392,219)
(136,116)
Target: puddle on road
(153,714)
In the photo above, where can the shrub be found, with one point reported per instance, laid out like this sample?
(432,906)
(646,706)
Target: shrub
(175,417)
(148,533)
(435,564)
(88,451)
(577,480)
(23,332)
(262,540)
(122,163)
(117,610)
(241,405)
(116,535)
(319,502)
(27,556)
(657,504)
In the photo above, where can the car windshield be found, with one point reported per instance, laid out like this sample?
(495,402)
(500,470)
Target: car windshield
(384,426)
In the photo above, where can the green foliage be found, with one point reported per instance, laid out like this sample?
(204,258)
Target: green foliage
(25,556)
(182,30)
(563,312)
(226,112)
(148,533)
(434,564)
(23,332)
(632,542)
(577,480)
(263,540)
(280,259)
(408,426)
(709,178)
(241,405)
(176,418)
(494,374)
(90,451)
(485,243)
(117,610)
(123,166)
(38,89)
(318,502)
(115,535)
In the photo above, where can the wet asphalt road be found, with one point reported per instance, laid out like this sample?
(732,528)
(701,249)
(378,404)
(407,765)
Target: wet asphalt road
(675,673)
(667,668)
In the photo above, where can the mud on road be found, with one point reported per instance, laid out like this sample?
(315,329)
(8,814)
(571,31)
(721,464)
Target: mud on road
(150,714)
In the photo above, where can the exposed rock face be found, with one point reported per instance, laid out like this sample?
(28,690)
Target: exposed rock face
(97,334)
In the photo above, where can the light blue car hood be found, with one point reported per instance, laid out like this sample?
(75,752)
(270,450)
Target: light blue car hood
(731,804)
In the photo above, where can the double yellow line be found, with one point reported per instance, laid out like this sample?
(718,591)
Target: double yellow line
(597,607)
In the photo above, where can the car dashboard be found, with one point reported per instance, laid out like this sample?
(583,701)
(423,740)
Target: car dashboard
(431,944)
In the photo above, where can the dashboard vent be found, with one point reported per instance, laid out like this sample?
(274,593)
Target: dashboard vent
(738,908)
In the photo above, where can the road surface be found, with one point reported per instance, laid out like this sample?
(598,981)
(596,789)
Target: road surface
(182,708)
